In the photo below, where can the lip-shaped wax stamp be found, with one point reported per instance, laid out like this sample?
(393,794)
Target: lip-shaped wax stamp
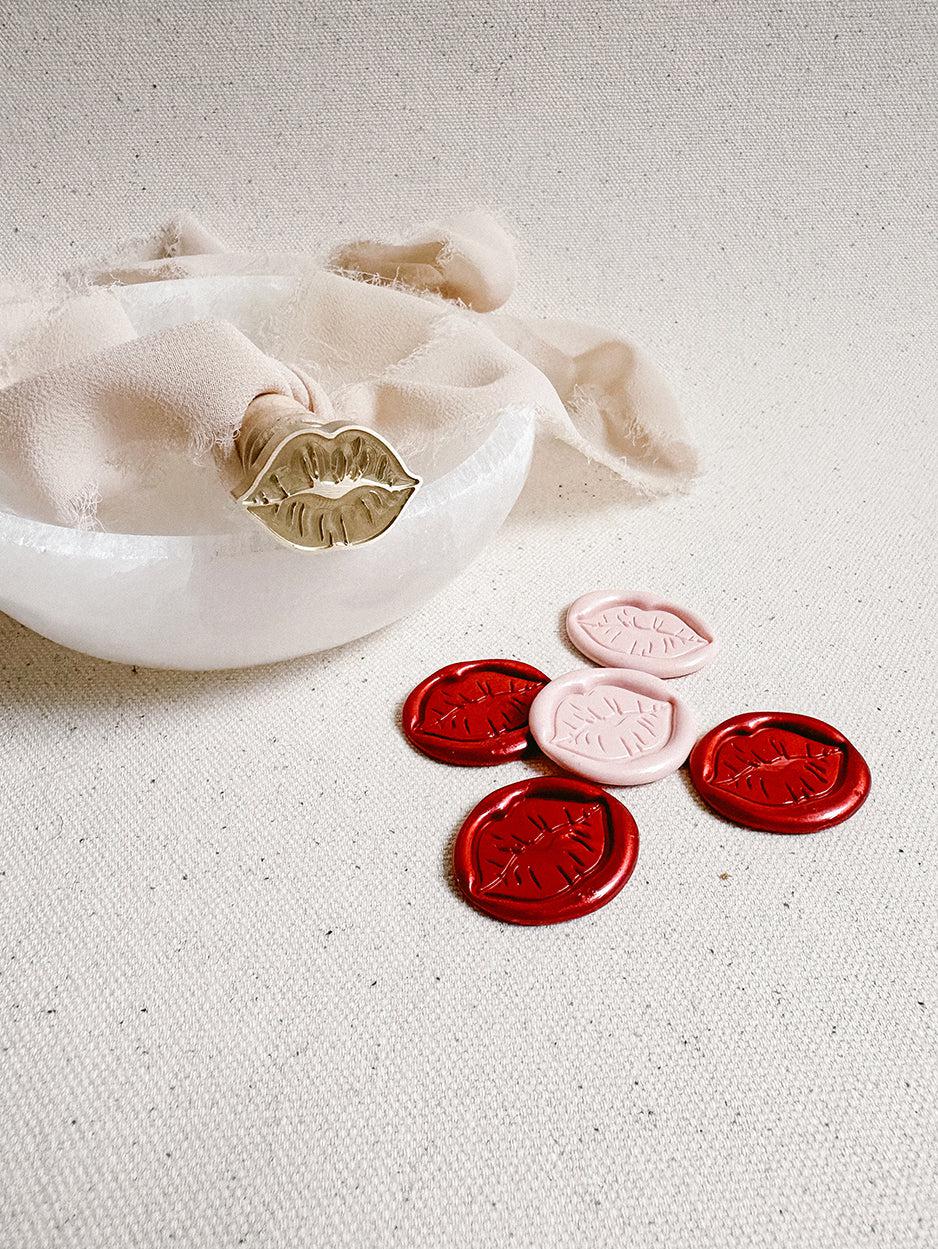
(779,772)
(545,850)
(315,485)
(634,629)
(474,713)
(614,726)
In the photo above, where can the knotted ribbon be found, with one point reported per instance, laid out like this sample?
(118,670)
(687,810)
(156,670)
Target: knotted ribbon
(403,337)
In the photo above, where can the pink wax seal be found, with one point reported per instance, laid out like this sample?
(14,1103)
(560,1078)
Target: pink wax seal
(614,726)
(632,629)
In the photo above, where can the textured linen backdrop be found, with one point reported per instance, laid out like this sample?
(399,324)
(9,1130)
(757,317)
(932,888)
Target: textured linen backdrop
(240,1003)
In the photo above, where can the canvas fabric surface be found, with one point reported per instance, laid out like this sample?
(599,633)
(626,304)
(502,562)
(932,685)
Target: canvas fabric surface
(240,1002)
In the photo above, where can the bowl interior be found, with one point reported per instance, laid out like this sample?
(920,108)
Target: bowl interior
(178,497)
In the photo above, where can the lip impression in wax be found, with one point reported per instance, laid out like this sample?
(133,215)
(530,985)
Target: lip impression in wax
(613,725)
(633,629)
(474,713)
(317,488)
(545,850)
(779,772)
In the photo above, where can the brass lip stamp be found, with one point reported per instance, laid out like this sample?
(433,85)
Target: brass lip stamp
(315,485)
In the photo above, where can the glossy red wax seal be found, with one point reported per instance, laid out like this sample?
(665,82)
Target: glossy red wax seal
(474,713)
(779,772)
(545,850)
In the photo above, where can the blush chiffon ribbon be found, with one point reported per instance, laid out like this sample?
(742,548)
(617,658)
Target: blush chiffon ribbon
(404,336)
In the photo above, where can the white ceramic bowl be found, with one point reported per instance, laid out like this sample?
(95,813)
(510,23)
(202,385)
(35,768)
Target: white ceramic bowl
(237,598)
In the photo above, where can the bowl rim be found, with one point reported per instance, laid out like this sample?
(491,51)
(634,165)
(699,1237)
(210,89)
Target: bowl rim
(97,543)
(93,543)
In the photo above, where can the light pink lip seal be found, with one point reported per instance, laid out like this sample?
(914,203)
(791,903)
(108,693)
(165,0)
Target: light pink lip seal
(633,629)
(614,726)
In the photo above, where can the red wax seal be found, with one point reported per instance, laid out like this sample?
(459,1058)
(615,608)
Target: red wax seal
(779,772)
(545,850)
(474,713)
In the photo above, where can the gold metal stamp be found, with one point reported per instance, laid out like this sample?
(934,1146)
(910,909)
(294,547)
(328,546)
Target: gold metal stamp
(315,486)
